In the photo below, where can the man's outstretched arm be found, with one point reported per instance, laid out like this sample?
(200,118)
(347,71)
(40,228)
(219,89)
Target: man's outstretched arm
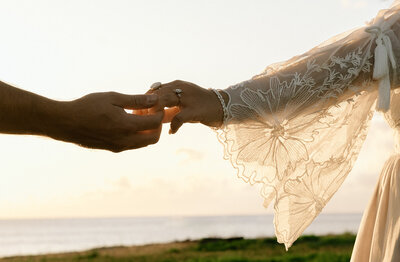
(97,120)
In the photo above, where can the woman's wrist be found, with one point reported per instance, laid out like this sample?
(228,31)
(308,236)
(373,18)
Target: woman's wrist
(220,112)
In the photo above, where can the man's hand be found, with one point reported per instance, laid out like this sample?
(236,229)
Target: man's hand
(96,121)
(99,121)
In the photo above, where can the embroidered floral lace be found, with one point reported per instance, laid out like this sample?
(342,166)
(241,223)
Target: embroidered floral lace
(298,127)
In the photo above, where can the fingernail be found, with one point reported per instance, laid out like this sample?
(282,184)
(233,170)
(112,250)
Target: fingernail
(152,98)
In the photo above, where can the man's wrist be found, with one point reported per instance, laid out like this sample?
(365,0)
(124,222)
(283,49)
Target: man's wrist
(52,118)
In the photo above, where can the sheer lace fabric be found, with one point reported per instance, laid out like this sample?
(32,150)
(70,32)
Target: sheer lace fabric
(298,127)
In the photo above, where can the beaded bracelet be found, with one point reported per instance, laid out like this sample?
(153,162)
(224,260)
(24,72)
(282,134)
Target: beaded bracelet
(222,101)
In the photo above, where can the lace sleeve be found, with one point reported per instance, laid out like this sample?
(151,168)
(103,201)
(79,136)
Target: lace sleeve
(298,127)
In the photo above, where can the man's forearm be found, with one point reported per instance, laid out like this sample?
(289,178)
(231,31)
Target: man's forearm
(23,112)
(97,120)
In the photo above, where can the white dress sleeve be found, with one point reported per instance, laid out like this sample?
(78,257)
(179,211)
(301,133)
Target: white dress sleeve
(298,127)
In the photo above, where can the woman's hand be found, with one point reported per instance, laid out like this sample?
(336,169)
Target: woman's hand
(194,104)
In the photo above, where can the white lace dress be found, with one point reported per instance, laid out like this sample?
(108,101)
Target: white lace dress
(298,127)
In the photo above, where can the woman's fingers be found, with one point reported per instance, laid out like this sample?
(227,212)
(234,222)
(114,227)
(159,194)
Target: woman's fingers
(170,113)
(168,98)
(179,119)
(167,95)
(140,112)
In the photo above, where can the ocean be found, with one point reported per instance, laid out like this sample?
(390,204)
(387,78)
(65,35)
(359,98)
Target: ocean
(42,236)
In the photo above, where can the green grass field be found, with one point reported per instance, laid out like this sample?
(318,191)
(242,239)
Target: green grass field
(330,248)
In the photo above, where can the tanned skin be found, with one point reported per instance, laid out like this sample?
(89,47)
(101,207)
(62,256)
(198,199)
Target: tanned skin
(96,120)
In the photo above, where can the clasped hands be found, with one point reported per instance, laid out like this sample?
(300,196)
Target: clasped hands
(100,121)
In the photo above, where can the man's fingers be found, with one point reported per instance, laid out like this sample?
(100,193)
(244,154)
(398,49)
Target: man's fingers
(135,101)
(179,119)
(145,138)
(145,122)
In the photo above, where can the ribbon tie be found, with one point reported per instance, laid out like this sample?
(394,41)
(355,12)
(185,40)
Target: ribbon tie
(383,54)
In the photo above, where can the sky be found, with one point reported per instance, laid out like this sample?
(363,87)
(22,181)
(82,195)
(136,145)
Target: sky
(66,49)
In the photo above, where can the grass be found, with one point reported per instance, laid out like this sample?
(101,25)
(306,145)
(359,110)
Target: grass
(329,248)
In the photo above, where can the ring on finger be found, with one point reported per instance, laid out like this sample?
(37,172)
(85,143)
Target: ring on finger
(178,92)
(155,86)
